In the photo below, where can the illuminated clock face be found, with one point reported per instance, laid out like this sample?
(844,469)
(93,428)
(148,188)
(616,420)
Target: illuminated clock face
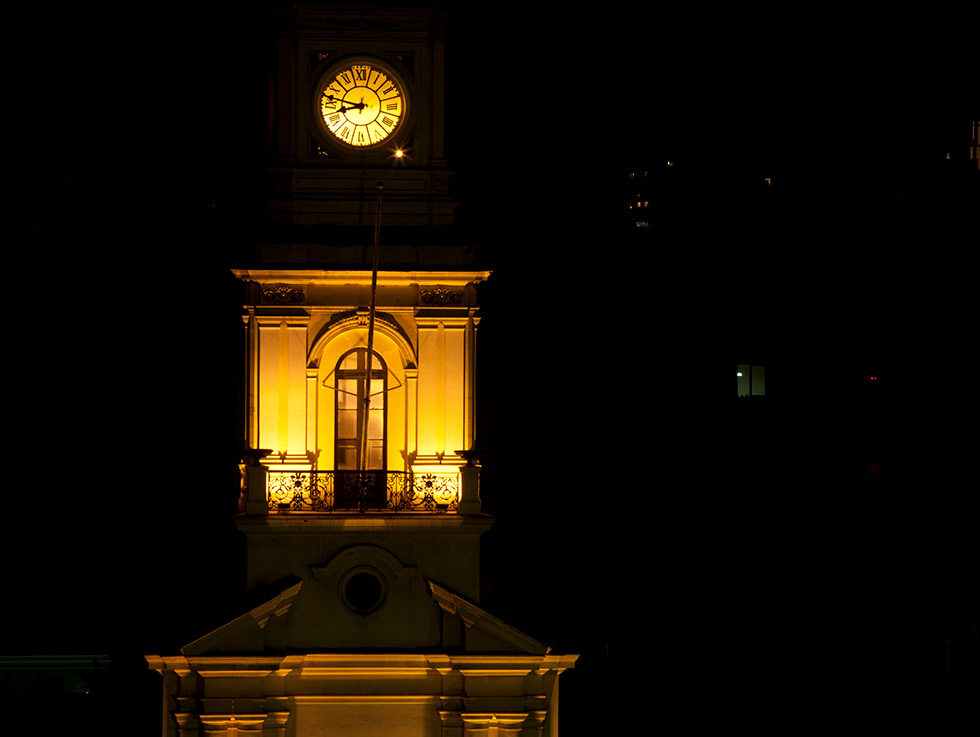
(362,103)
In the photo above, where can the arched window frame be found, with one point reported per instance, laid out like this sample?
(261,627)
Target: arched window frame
(351,384)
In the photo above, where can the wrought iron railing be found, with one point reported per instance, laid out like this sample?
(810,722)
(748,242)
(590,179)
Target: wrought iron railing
(363,491)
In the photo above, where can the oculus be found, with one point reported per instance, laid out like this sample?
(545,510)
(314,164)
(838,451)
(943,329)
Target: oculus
(363,589)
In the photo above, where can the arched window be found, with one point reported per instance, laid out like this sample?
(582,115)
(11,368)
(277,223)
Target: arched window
(355,417)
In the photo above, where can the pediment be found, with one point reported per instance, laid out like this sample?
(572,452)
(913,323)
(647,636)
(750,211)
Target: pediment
(485,632)
(245,633)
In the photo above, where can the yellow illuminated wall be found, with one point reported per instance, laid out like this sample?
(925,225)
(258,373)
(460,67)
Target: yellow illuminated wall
(424,331)
(441,388)
(282,387)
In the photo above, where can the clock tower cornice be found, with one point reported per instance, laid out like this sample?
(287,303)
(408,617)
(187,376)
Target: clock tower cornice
(362,278)
(357,20)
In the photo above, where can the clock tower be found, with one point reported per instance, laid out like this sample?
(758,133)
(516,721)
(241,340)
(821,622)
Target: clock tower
(360,501)
(356,98)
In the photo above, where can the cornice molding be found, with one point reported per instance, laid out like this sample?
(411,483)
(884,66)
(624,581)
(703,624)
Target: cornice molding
(242,628)
(286,277)
(474,616)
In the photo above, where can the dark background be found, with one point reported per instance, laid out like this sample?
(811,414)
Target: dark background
(712,561)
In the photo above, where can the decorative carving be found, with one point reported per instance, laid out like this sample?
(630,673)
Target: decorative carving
(363,491)
(282,294)
(442,296)
(363,317)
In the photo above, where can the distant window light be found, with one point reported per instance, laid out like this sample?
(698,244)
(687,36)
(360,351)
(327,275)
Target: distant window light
(642,224)
(751,380)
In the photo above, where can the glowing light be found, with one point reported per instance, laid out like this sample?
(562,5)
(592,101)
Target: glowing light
(399,153)
(739,373)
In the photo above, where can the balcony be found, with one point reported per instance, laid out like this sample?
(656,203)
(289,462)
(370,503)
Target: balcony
(344,492)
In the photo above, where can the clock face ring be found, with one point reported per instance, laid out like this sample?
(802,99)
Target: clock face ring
(361,103)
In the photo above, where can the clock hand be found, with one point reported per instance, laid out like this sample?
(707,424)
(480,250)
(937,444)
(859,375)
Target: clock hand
(352,105)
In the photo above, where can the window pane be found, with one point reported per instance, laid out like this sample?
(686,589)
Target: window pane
(742,374)
(376,423)
(347,423)
(347,394)
(346,457)
(375,451)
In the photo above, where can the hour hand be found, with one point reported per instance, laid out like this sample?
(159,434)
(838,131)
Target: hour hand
(345,106)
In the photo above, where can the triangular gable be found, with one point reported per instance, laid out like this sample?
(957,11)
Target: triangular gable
(244,633)
(494,632)
(486,633)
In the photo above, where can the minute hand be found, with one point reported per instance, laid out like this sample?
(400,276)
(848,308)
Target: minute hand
(350,105)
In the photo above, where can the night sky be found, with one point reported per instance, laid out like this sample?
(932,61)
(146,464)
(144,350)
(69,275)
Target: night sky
(748,563)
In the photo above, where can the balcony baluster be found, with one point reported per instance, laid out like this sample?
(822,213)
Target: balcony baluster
(363,492)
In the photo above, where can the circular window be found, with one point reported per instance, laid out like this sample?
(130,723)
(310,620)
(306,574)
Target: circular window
(363,589)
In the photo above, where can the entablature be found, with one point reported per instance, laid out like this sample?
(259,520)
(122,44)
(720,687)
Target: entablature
(316,277)
(366,664)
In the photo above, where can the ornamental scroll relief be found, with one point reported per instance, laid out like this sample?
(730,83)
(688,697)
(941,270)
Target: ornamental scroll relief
(441,296)
(281,294)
